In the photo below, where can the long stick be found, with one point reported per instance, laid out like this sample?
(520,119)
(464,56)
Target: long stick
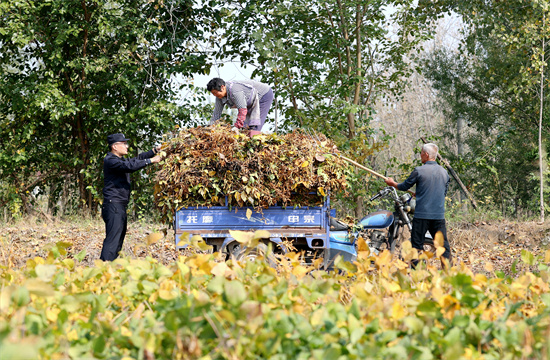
(455,176)
(363,167)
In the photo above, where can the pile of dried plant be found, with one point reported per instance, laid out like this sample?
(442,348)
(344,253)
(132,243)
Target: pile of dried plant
(203,165)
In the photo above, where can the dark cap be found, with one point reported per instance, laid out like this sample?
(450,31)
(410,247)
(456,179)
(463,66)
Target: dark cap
(111,139)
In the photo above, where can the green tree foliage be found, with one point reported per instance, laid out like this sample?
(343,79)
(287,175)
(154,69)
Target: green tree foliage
(493,83)
(73,72)
(329,60)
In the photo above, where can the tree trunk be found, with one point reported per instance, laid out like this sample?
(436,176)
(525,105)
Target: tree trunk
(541,168)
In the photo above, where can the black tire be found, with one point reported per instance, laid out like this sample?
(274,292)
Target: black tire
(242,253)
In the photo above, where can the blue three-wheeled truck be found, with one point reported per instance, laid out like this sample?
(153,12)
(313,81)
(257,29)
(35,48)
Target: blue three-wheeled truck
(305,230)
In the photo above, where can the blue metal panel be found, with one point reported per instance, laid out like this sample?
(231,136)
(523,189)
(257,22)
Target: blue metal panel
(377,220)
(220,218)
(341,237)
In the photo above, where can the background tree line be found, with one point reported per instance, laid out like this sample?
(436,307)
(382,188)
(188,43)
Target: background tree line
(371,75)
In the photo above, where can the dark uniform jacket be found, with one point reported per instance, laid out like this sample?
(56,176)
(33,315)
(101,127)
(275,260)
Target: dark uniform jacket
(431,182)
(117,171)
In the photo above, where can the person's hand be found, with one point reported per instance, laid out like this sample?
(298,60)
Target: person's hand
(155,159)
(239,123)
(235,130)
(391,182)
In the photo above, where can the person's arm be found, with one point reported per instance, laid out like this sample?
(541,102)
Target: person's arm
(129,165)
(239,100)
(405,185)
(147,154)
(218,108)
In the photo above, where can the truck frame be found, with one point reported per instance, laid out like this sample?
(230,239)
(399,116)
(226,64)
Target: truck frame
(301,229)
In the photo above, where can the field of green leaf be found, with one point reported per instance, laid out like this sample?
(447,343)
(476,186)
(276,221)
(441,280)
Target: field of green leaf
(62,305)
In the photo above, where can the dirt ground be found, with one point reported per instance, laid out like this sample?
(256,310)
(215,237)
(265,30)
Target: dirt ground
(485,247)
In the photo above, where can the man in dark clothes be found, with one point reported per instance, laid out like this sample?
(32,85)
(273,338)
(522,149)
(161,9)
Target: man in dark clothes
(116,191)
(432,182)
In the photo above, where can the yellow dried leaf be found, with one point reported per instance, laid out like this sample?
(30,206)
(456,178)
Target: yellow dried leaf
(384,258)
(154,238)
(362,245)
(51,314)
(248,213)
(392,287)
(125,332)
(221,269)
(439,240)
(305,164)
(397,311)
(299,271)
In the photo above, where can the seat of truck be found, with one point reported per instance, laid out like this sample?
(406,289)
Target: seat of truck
(337,225)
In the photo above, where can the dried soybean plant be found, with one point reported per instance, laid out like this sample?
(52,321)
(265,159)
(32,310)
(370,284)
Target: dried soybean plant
(203,165)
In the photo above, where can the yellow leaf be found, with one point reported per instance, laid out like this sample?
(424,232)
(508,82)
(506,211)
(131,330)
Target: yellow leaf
(439,240)
(39,288)
(262,234)
(440,251)
(72,335)
(321,191)
(362,245)
(184,239)
(212,173)
(384,258)
(243,237)
(392,287)
(368,287)
(221,269)
(125,332)
(305,163)
(397,311)
(299,271)
(248,213)
(547,256)
(408,252)
(168,290)
(154,237)
(489,266)
(51,314)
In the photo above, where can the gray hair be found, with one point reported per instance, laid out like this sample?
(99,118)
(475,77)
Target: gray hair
(430,149)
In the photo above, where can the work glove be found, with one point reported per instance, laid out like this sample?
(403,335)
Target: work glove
(235,130)
(239,123)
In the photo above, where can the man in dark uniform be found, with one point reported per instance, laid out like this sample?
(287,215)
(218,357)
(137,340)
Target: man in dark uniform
(432,182)
(116,191)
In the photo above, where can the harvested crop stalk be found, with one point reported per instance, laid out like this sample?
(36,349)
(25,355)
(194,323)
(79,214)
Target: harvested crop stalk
(204,165)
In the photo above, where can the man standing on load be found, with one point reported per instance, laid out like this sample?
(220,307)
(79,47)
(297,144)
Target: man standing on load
(432,182)
(252,99)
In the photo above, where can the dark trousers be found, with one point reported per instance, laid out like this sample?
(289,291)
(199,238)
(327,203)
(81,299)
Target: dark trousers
(419,229)
(115,218)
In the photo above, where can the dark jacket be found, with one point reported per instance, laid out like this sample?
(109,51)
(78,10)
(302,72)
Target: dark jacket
(116,171)
(432,182)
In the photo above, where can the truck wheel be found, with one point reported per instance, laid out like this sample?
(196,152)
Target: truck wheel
(242,253)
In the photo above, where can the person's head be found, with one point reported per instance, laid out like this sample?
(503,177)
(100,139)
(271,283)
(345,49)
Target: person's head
(118,144)
(217,87)
(429,152)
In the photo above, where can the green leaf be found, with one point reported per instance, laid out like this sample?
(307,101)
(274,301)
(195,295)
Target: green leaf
(234,292)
